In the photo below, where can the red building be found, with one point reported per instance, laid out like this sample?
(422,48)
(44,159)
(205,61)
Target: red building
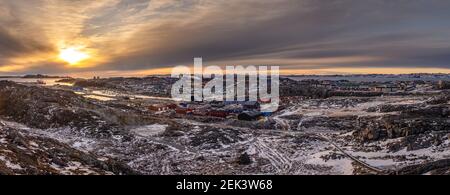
(158,107)
(162,107)
(184,111)
(218,113)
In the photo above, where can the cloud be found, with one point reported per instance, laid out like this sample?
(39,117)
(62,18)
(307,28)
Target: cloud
(387,33)
(142,34)
(19,37)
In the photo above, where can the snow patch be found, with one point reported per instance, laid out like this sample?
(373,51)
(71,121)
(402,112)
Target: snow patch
(342,165)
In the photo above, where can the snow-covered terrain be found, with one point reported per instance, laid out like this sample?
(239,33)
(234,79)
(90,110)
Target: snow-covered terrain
(338,135)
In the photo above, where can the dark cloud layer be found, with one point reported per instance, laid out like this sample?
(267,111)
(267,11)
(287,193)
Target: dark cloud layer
(398,33)
(11,45)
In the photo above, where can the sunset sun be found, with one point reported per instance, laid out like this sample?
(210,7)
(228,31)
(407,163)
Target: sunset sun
(73,55)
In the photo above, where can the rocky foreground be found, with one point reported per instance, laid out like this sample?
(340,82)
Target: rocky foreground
(24,153)
(54,131)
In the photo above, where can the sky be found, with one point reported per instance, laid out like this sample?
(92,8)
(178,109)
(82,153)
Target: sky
(142,37)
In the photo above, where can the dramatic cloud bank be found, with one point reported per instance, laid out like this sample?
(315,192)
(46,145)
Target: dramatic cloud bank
(302,36)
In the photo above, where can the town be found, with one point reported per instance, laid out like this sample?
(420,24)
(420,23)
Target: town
(323,125)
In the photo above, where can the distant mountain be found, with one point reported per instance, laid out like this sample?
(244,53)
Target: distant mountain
(9,76)
(40,76)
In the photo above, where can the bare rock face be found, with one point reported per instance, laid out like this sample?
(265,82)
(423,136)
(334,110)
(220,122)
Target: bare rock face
(41,107)
(443,98)
(408,121)
(395,127)
(370,129)
(439,167)
(23,153)
(207,139)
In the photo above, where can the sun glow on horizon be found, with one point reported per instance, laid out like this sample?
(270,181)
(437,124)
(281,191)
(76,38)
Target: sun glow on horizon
(73,55)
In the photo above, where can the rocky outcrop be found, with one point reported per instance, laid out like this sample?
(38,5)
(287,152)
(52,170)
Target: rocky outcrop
(410,120)
(23,153)
(289,87)
(44,108)
(390,108)
(153,86)
(331,123)
(439,167)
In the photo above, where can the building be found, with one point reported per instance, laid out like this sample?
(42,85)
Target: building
(184,104)
(158,107)
(249,116)
(217,104)
(386,88)
(250,105)
(184,111)
(323,84)
(162,107)
(218,113)
(199,112)
(233,108)
(266,114)
(78,88)
(172,106)
(348,86)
